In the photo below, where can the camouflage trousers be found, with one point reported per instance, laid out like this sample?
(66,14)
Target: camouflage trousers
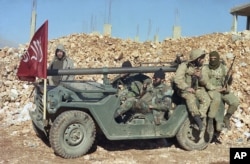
(142,106)
(216,97)
(191,100)
(128,104)
(135,104)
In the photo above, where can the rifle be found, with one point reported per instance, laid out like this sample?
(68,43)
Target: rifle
(194,82)
(194,79)
(228,77)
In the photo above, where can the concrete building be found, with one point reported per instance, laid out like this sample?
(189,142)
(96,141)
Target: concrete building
(242,10)
(176,32)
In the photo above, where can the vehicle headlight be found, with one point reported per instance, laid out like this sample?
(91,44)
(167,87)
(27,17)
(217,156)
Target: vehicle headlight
(52,102)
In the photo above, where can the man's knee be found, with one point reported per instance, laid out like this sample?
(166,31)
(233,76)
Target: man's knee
(214,95)
(235,102)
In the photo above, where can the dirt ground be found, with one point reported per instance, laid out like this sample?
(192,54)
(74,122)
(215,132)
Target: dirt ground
(19,144)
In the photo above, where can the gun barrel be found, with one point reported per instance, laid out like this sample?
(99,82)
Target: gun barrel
(110,70)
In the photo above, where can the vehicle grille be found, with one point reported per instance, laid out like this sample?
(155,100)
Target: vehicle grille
(39,102)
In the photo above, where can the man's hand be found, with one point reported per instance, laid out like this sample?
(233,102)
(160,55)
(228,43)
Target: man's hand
(223,90)
(150,106)
(190,90)
(121,87)
(145,85)
(197,73)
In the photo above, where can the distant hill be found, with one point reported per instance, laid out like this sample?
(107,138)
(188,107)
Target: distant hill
(7,43)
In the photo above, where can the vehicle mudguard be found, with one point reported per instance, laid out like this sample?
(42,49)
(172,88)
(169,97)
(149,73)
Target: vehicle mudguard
(174,122)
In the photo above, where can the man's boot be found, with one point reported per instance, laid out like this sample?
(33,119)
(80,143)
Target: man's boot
(119,112)
(198,121)
(210,124)
(219,126)
(227,121)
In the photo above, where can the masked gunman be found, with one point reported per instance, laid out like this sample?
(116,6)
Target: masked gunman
(214,77)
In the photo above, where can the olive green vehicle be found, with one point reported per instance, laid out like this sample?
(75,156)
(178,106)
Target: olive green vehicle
(76,110)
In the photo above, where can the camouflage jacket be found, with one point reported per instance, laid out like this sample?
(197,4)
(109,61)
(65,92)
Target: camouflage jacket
(213,79)
(159,97)
(131,85)
(183,77)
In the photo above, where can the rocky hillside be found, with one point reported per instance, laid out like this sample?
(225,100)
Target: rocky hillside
(95,51)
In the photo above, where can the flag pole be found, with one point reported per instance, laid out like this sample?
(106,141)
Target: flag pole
(44,99)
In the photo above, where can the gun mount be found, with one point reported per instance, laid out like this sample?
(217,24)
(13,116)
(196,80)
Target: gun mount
(110,70)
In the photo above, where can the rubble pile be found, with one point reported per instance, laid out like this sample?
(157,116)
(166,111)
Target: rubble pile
(97,51)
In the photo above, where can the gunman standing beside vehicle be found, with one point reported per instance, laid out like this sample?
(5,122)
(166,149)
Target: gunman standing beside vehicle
(60,61)
(214,75)
(187,79)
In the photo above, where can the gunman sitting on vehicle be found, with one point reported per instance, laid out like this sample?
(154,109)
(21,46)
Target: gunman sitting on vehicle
(129,85)
(214,75)
(156,97)
(187,81)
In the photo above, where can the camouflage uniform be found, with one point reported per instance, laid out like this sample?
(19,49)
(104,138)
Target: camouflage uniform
(158,98)
(184,81)
(130,90)
(213,80)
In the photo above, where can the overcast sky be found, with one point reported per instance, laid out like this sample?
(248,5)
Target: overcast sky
(129,18)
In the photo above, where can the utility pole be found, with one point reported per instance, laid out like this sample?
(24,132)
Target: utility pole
(108,27)
(137,33)
(149,28)
(156,37)
(176,27)
(33,20)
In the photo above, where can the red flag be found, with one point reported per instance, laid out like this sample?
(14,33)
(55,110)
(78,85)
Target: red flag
(34,62)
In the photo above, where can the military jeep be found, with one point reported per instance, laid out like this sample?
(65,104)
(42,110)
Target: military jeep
(76,110)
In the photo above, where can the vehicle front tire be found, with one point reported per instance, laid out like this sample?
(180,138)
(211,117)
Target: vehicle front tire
(72,134)
(189,137)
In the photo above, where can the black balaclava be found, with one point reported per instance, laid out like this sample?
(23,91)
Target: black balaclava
(215,63)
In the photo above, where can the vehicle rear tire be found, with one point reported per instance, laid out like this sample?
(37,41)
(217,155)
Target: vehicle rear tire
(189,139)
(72,134)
